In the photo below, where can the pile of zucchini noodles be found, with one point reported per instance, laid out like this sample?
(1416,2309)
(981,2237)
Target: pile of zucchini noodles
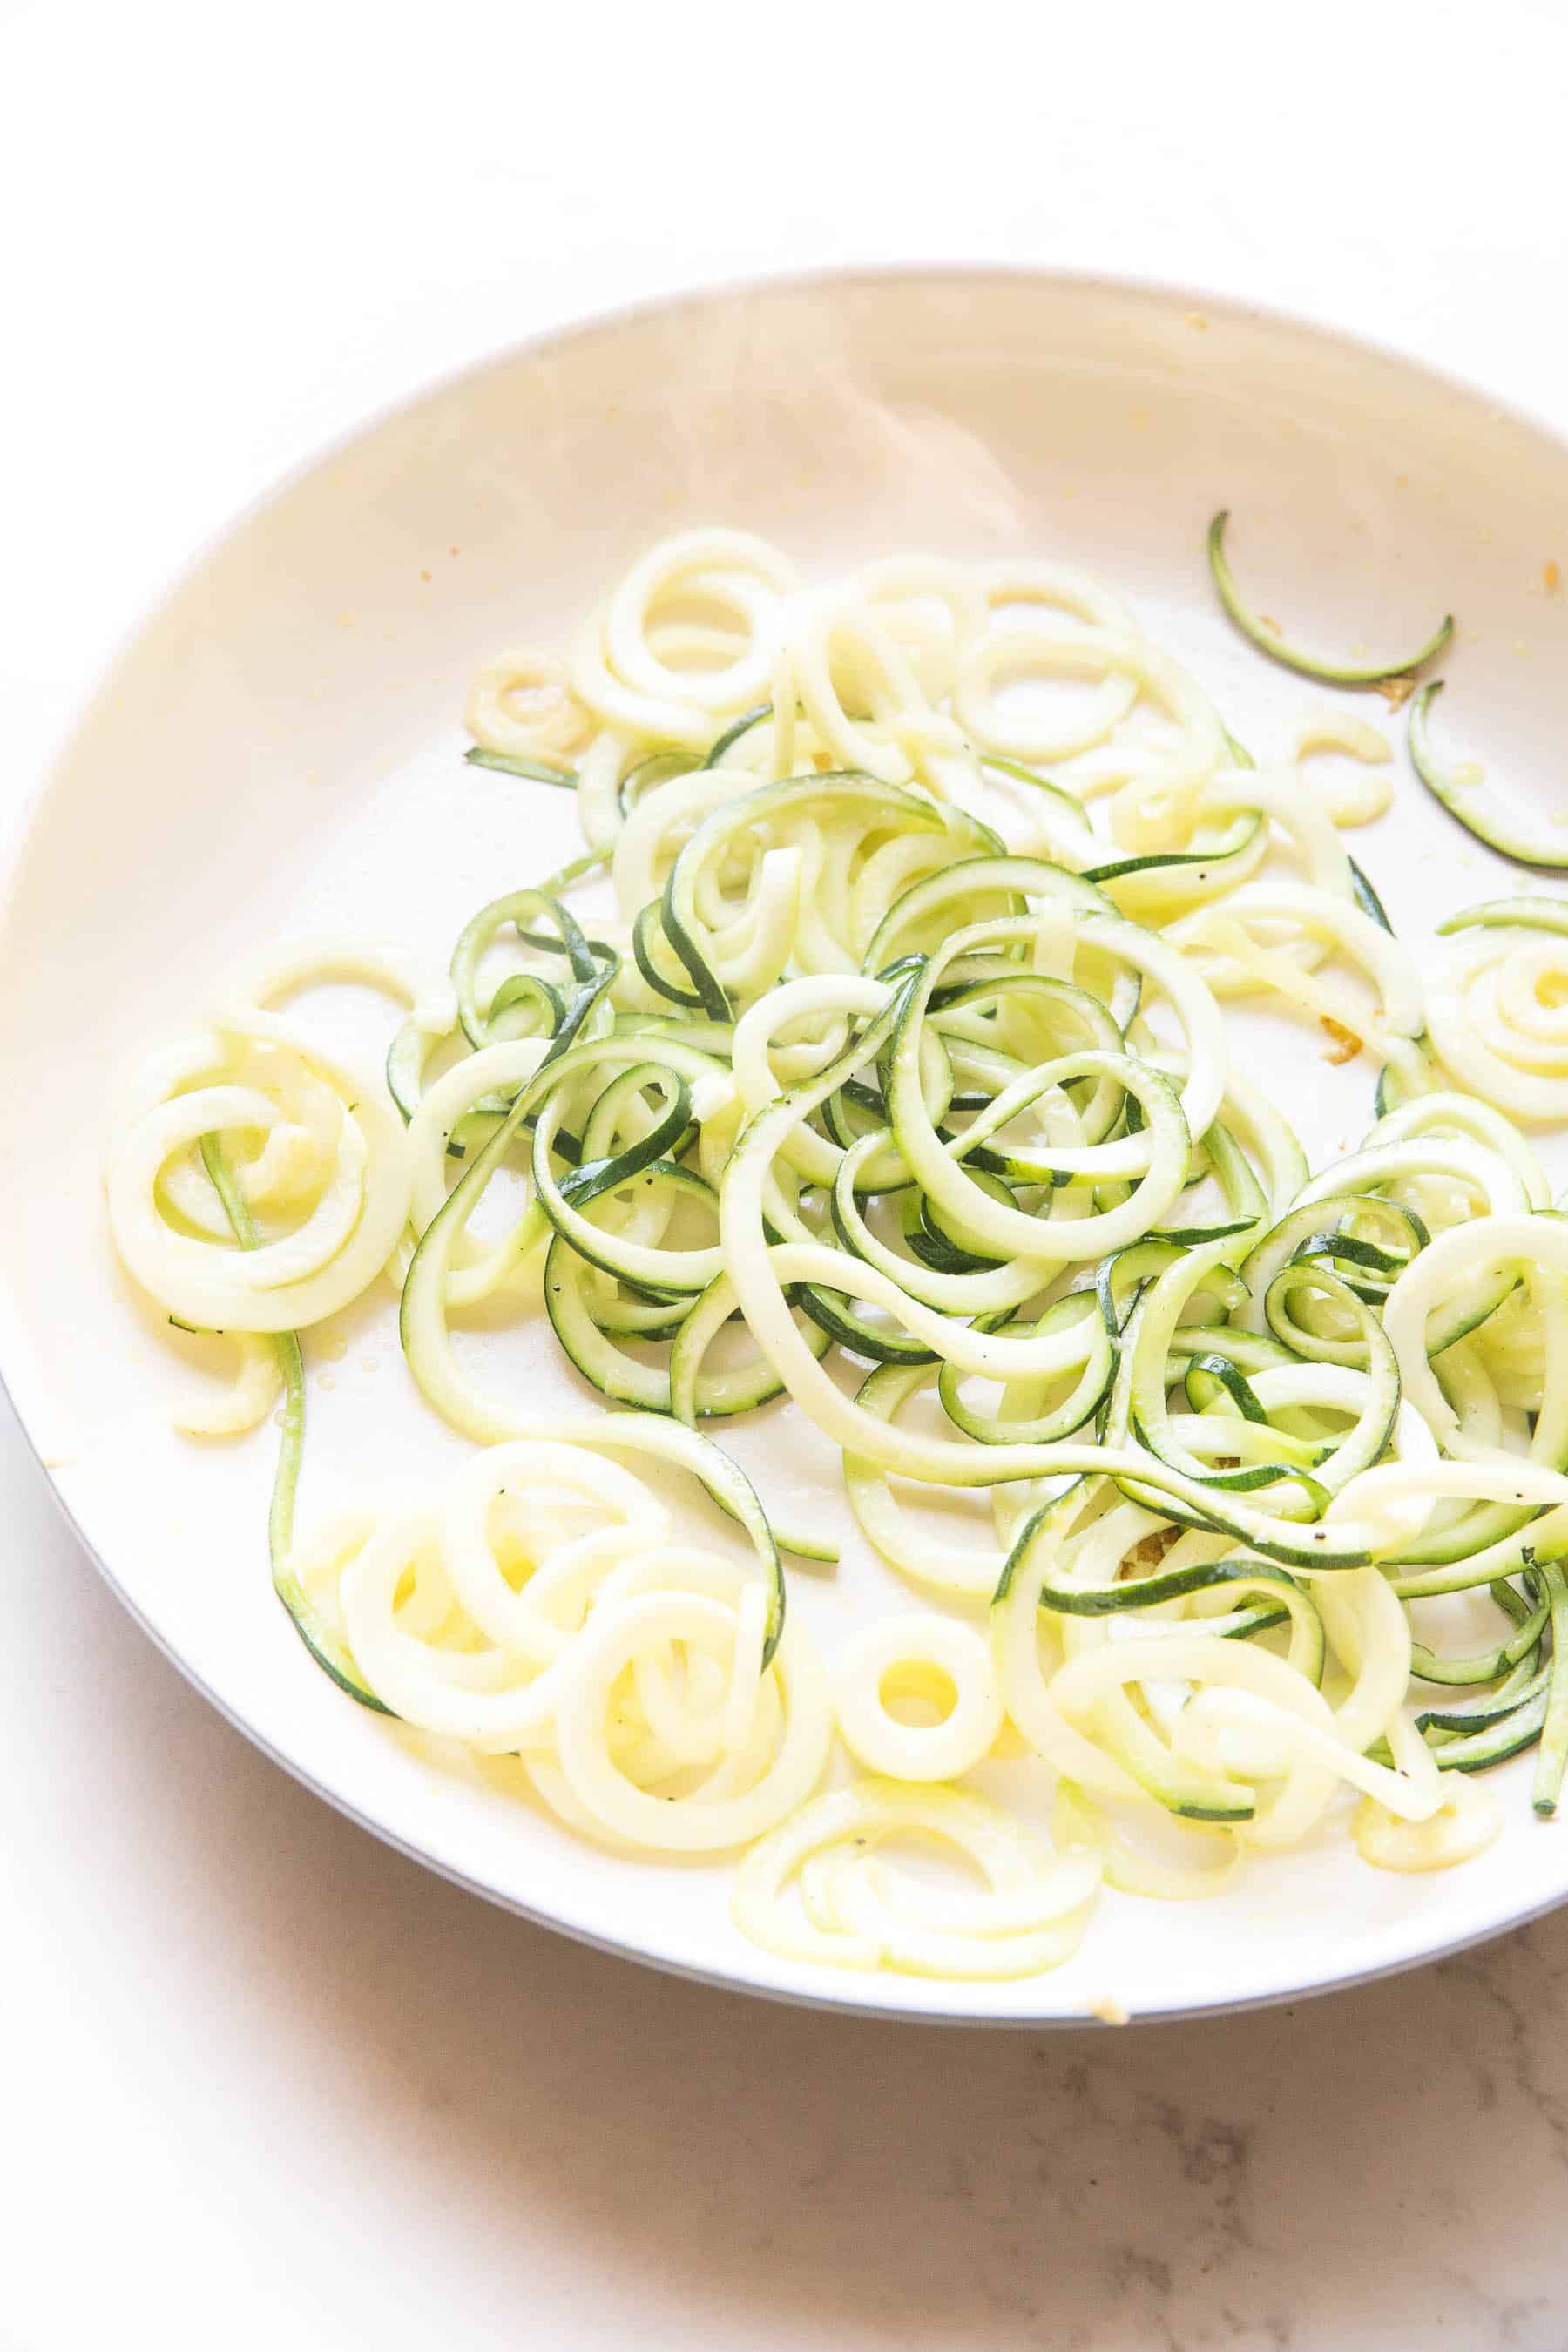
(885,1080)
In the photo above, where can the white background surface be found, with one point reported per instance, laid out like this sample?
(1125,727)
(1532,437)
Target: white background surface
(264,2081)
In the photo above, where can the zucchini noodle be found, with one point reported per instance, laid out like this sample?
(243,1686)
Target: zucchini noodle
(869,1067)
(325,1142)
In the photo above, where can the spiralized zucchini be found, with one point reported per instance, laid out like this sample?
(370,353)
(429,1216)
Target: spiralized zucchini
(870,1065)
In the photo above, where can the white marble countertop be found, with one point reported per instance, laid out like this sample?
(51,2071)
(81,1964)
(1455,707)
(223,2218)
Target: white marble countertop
(266,2081)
